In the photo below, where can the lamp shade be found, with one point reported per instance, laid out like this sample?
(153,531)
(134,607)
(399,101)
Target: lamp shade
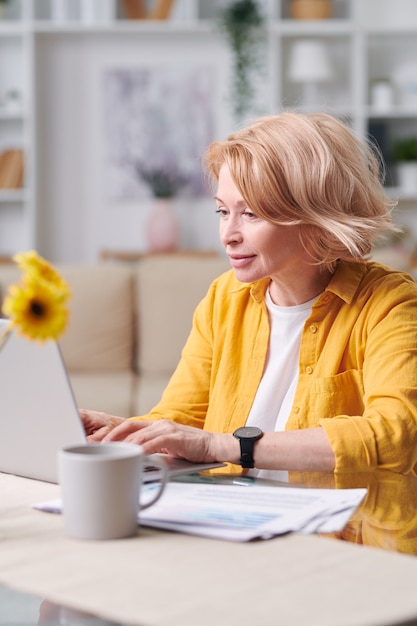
(309,61)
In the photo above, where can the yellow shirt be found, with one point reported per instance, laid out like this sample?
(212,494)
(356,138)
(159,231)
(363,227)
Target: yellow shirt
(357,367)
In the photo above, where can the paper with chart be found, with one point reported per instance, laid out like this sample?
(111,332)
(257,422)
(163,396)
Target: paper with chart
(243,512)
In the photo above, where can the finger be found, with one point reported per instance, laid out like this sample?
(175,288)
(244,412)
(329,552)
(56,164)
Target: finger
(152,436)
(97,435)
(120,432)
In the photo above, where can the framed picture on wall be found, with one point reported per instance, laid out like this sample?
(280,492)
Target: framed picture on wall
(156,119)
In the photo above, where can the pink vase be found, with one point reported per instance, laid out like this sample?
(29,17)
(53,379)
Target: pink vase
(163,228)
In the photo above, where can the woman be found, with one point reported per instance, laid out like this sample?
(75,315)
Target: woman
(304,342)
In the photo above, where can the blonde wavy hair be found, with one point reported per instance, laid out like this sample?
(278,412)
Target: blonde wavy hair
(310,170)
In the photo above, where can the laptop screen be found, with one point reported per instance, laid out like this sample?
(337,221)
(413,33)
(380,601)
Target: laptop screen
(38,412)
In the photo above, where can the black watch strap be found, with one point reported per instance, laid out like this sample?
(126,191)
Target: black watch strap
(248,436)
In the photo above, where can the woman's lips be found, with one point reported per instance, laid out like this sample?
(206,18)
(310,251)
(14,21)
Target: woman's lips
(240,261)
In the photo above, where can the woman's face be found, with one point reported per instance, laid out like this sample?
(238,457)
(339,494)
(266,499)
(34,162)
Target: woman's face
(257,248)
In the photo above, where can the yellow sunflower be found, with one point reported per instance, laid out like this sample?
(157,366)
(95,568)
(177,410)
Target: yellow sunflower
(36,309)
(32,264)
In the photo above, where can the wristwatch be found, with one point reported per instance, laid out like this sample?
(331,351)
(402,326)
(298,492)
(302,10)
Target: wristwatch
(247,436)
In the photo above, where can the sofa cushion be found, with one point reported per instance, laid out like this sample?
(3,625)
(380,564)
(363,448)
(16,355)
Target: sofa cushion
(167,296)
(9,275)
(110,392)
(147,392)
(100,333)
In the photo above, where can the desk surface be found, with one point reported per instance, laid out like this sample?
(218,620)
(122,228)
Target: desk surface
(159,578)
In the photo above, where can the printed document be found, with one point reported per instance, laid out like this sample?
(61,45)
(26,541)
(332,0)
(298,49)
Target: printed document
(244,512)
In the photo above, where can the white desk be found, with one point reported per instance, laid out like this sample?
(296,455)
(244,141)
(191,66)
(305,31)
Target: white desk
(167,579)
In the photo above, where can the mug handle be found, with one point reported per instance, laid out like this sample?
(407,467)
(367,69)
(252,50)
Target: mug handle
(163,481)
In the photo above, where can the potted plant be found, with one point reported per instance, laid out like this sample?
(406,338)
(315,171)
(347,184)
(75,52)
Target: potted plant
(241,23)
(405,155)
(163,230)
(162,182)
(311,9)
(3,4)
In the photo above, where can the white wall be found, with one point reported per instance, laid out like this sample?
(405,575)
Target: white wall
(78,220)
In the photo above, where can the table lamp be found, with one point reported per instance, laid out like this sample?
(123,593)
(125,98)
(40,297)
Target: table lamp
(309,64)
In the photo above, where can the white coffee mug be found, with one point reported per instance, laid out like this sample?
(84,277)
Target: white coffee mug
(100,485)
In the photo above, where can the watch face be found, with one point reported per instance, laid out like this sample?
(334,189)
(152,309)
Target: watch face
(248,432)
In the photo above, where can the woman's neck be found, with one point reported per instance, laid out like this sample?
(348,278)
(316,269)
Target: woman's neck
(309,283)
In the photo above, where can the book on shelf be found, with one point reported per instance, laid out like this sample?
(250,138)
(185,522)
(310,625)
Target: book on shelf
(11,168)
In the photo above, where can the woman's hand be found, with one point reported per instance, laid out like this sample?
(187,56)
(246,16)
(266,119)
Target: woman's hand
(306,449)
(97,425)
(187,442)
(164,436)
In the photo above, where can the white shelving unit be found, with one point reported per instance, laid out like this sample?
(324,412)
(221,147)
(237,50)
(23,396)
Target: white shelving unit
(17,204)
(51,56)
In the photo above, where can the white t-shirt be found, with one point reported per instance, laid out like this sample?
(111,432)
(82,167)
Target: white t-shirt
(273,401)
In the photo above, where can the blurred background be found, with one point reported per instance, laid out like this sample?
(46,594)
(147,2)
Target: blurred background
(106,107)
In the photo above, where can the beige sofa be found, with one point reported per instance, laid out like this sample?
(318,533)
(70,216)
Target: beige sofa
(129,322)
(128,325)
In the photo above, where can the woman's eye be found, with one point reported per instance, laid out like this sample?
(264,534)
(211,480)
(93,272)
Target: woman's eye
(221,212)
(249,214)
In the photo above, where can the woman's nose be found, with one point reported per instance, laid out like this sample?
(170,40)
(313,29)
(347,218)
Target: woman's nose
(230,232)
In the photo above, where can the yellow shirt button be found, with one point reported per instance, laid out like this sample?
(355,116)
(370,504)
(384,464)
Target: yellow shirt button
(313,328)
(309,369)
(296,409)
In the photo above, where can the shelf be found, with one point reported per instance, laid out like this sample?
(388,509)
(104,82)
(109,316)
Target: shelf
(12,195)
(400,113)
(340,111)
(129,256)
(316,28)
(60,68)
(13,28)
(142,27)
(389,30)
(396,193)
(12,116)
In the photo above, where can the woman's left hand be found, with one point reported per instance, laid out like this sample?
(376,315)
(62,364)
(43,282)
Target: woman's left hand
(187,442)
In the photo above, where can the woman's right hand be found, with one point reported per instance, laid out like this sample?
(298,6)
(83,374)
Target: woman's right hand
(97,424)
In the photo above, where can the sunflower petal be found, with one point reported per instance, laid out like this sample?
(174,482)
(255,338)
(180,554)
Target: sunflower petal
(36,306)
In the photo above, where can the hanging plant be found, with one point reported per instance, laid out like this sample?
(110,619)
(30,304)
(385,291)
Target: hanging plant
(241,23)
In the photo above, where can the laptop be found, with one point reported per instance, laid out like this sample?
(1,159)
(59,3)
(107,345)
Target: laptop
(39,415)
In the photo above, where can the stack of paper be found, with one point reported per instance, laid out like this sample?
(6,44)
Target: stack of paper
(242,513)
